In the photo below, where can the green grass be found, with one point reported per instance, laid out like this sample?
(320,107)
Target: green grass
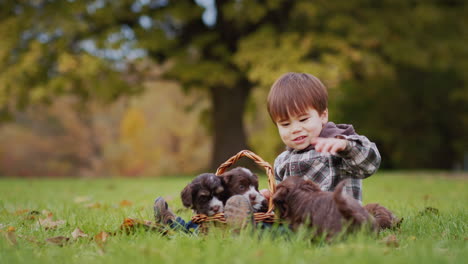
(422,238)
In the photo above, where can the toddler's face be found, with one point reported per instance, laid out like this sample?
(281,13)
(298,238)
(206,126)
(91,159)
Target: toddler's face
(298,131)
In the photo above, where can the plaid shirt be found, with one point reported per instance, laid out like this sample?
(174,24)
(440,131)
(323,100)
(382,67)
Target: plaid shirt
(359,160)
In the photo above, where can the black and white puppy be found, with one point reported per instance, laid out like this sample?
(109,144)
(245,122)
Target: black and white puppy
(242,181)
(204,194)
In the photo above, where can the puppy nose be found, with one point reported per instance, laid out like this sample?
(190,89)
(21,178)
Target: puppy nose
(215,208)
(252,196)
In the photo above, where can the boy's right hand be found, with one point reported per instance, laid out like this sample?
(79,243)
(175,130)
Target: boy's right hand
(329,145)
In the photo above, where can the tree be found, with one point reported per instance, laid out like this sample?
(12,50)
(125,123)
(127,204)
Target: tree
(244,46)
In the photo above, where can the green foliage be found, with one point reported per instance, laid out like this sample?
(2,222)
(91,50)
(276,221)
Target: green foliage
(357,47)
(414,119)
(427,237)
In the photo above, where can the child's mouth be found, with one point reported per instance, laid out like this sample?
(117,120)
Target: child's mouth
(299,139)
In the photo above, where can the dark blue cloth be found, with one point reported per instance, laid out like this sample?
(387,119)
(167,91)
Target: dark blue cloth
(180,224)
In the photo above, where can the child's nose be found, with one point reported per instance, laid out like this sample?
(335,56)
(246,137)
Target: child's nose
(296,128)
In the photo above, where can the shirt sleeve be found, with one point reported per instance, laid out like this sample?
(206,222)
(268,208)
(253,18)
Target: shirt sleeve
(360,159)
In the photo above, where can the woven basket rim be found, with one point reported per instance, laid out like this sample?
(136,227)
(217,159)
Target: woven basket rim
(269,215)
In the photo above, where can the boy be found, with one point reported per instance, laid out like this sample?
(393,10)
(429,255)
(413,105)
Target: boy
(315,148)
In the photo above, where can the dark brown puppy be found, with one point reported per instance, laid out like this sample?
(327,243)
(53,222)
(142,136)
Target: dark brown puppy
(242,181)
(384,218)
(203,194)
(303,202)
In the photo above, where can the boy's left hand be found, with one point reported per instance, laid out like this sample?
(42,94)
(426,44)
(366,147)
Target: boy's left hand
(329,145)
(266,193)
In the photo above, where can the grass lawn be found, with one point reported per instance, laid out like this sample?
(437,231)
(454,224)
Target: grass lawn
(96,205)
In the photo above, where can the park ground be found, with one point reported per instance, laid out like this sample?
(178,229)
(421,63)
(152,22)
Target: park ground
(68,220)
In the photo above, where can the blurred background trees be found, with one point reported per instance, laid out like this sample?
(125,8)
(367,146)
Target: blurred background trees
(157,87)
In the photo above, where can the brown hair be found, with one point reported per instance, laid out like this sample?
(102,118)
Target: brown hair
(294,93)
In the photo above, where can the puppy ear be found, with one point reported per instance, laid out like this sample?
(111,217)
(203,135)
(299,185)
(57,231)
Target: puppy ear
(280,194)
(186,196)
(279,198)
(226,178)
(255,181)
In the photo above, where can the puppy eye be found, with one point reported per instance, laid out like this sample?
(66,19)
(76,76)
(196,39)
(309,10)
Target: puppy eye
(242,187)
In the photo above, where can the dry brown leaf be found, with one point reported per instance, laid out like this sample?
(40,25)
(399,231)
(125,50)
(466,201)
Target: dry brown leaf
(101,238)
(58,240)
(429,211)
(45,212)
(48,223)
(10,235)
(93,205)
(124,203)
(391,241)
(11,229)
(32,215)
(82,199)
(78,233)
(22,211)
(129,225)
(30,239)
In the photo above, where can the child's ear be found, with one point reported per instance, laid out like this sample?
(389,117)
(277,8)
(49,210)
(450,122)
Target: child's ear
(324,116)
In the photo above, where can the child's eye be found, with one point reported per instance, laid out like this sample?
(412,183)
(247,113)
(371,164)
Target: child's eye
(303,119)
(284,124)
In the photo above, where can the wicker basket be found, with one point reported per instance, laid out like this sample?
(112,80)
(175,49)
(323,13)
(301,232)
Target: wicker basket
(269,216)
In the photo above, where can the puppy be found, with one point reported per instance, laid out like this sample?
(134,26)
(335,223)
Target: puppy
(203,194)
(384,218)
(242,181)
(303,202)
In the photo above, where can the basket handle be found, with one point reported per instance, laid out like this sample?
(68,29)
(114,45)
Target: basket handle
(269,170)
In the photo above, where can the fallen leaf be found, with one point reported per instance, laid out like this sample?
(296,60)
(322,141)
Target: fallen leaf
(78,233)
(30,239)
(93,205)
(22,211)
(11,236)
(101,238)
(48,223)
(130,225)
(391,241)
(429,211)
(58,240)
(32,215)
(82,199)
(45,212)
(124,203)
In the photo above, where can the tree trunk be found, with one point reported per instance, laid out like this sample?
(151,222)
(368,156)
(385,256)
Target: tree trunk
(228,127)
